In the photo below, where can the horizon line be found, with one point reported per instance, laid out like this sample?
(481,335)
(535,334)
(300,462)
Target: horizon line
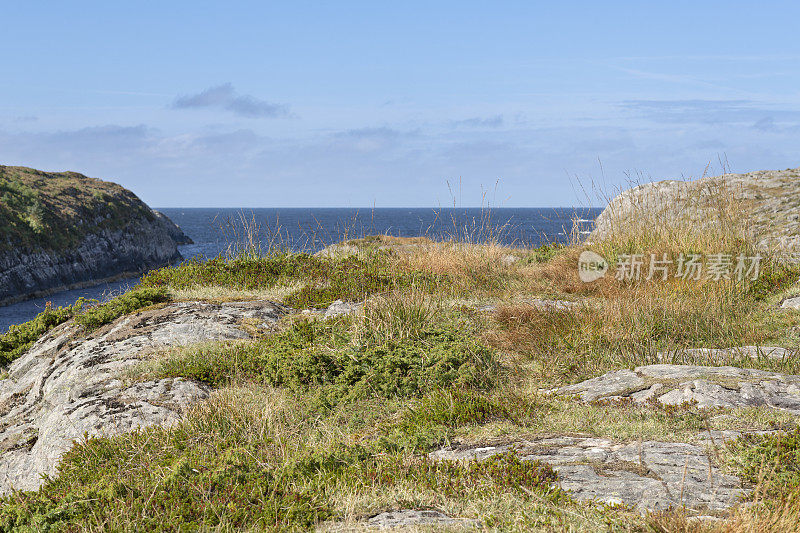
(373,208)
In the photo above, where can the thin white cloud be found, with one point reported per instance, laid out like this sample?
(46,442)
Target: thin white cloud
(480,122)
(226,98)
(707,111)
(681,79)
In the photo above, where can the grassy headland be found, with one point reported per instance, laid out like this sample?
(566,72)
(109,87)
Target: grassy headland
(331,419)
(55,210)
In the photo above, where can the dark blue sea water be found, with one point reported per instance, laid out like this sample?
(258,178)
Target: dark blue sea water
(221,230)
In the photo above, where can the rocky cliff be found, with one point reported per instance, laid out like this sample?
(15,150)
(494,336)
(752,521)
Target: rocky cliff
(64,230)
(766,204)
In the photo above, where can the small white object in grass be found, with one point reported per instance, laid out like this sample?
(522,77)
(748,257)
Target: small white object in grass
(791,303)
(591,266)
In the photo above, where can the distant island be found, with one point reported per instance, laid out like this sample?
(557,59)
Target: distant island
(62,230)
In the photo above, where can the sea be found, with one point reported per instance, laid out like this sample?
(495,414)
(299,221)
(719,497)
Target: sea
(222,231)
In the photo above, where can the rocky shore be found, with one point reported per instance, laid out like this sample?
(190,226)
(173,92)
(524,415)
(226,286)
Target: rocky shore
(75,231)
(106,256)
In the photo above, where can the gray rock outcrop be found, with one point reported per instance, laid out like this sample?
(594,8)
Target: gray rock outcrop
(413,517)
(69,384)
(791,303)
(708,386)
(340,308)
(766,202)
(647,476)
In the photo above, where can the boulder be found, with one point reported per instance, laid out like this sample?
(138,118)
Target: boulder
(791,303)
(766,202)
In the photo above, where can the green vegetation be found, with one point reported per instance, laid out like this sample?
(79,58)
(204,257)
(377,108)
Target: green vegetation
(544,253)
(321,360)
(88,313)
(135,299)
(332,419)
(55,210)
(775,458)
(229,466)
(324,279)
(773,279)
(22,336)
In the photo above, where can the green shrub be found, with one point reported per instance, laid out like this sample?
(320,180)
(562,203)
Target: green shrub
(237,273)
(775,458)
(21,337)
(462,407)
(324,279)
(544,253)
(773,278)
(319,357)
(128,302)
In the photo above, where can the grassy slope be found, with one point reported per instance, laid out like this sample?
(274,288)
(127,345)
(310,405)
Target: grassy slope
(330,421)
(54,210)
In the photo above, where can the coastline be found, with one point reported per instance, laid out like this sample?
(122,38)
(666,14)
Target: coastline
(72,286)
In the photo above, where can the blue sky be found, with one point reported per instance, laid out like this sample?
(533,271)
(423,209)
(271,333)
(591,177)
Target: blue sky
(354,104)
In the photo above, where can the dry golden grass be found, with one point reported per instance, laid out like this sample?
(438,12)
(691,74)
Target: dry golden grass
(759,518)
(705,217)
(478,270)
(620,328)
(558,276)
(214,293)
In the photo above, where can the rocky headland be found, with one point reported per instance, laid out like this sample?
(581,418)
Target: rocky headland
(64,230)
(762,206)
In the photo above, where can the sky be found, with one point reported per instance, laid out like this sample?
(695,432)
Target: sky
(388,104)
